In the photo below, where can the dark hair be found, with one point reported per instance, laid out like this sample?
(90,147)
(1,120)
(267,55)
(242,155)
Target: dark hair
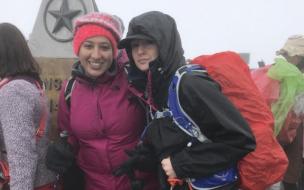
(15,56)
(300,65)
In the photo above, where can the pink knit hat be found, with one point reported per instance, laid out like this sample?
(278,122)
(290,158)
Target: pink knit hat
(97,24)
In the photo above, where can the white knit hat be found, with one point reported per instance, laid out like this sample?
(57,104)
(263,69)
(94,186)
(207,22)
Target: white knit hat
(293,46)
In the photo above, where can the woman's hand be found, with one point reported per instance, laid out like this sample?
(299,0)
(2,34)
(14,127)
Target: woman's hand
(167,167)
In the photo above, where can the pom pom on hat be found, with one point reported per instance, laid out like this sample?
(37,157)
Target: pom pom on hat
(97,24)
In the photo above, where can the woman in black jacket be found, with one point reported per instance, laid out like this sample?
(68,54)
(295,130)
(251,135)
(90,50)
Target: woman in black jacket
(154,48)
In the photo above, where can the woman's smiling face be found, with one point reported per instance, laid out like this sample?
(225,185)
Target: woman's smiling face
(96,56)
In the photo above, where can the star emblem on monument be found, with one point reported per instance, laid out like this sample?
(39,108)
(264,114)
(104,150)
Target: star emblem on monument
(58,17)
(64,17)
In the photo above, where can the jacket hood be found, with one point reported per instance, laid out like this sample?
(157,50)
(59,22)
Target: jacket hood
(161,29)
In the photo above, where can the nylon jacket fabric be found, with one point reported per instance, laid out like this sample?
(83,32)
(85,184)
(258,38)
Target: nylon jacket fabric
(270,88)
(230,71)
(104,121)
(218,119)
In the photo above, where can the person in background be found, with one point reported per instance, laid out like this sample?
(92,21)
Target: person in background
(286,99)
(293,52)
(103,118)
(23,115)
(155,53)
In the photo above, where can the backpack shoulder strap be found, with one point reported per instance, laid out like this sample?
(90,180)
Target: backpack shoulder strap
(43,118)
(4,81)
(68,90)
(67,96)
(180,117)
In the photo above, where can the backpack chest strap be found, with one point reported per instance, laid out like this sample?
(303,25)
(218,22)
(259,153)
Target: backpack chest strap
(182,123)
(162,114)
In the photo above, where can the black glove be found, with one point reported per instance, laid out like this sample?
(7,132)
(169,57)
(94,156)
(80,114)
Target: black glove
(128,169)
(165,137)
(73,178)
(141,158)
(60,156)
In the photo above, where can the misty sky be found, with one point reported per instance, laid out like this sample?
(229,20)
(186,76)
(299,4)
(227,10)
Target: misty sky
(259,27)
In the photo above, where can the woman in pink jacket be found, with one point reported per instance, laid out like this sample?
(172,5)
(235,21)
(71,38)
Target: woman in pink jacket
(103,119)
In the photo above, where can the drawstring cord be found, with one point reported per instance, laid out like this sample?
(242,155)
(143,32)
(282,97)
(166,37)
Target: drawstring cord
(150,108)
(57,182)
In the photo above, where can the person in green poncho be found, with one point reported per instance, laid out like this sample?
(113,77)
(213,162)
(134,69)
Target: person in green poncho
(288,109)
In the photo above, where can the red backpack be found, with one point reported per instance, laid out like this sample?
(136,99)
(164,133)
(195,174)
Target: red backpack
(267,164)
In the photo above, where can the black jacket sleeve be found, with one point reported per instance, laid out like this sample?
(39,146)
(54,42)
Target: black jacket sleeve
(230,135)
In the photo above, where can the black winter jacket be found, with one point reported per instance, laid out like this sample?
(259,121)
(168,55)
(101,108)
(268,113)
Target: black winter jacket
(229,134)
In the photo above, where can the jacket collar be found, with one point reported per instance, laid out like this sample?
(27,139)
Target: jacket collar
(79,73)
